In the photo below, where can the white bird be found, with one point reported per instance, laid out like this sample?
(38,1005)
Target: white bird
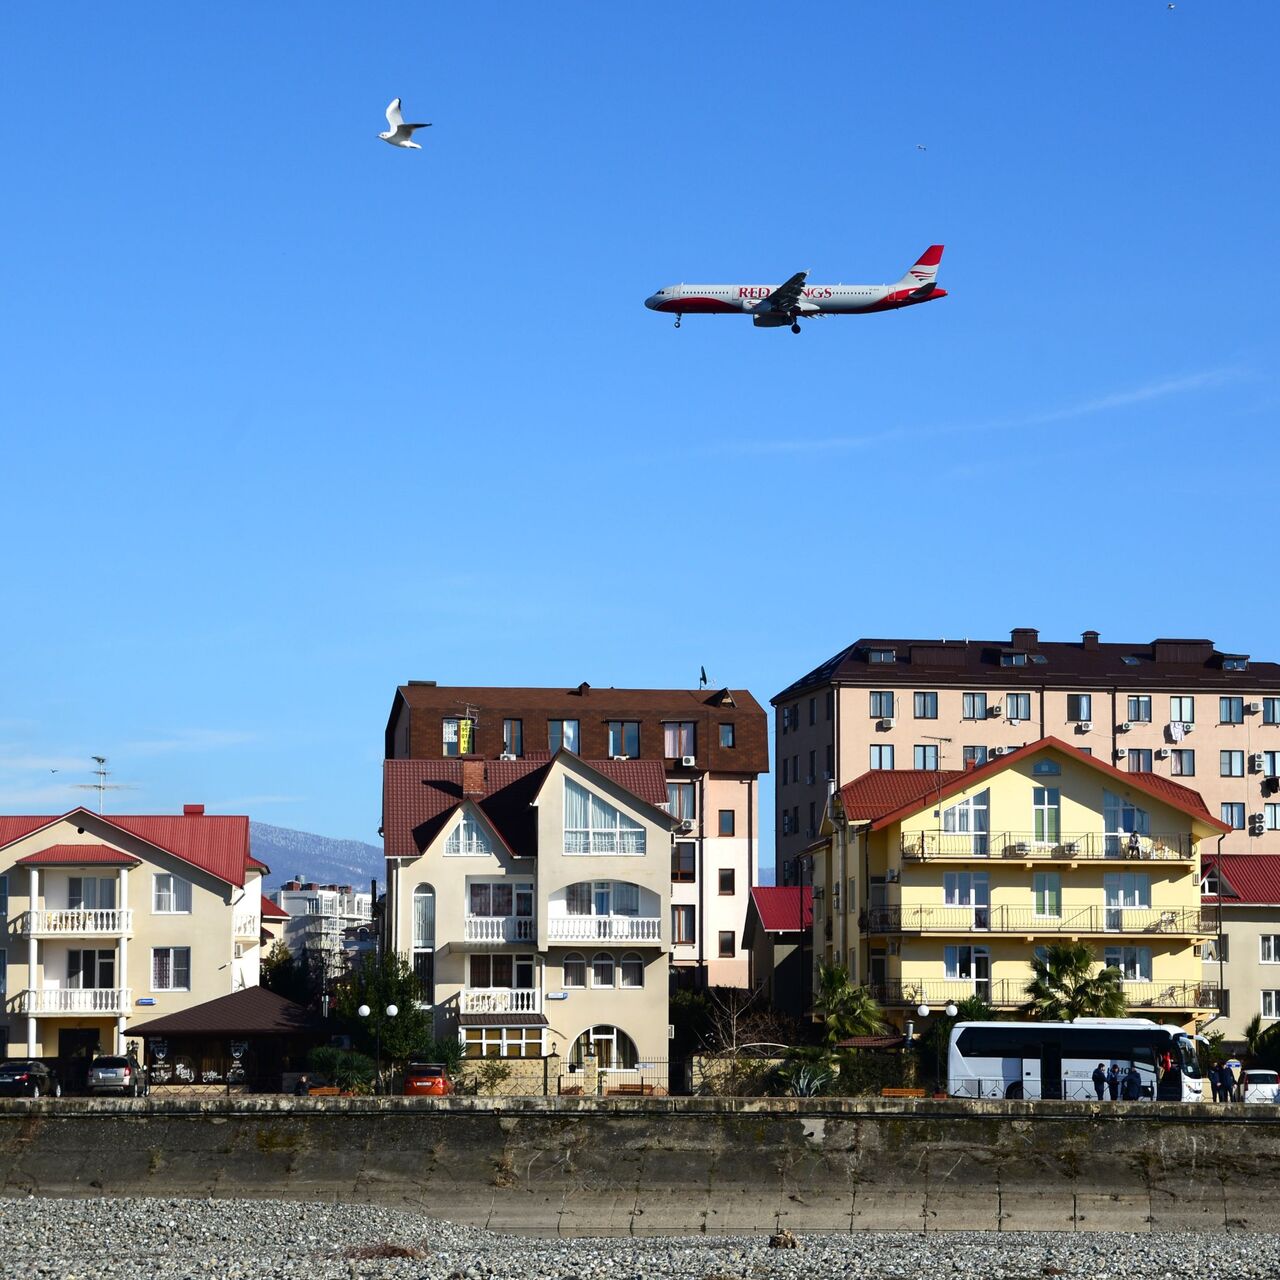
(400,134)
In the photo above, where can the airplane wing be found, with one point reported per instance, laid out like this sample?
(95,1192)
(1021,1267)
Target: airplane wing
(785,296)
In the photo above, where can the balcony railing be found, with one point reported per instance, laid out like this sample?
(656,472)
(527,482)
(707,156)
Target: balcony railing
(921,845)
(1188,921)
(247,925)
(1009,994)
(501,1000)
(604,929)
(54,1000)
(499,929)
(75,922)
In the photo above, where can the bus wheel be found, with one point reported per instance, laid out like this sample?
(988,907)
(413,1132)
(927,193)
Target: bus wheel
(1014,1091)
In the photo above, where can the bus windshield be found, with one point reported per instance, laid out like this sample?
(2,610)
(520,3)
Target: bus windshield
(1188,1056)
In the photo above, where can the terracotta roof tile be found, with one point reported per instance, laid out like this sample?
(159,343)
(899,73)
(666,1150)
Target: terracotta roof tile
(78,855)
(1248,879)
(779,907)
(273,910)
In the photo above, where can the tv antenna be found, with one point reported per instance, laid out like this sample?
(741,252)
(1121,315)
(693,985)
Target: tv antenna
(102,786)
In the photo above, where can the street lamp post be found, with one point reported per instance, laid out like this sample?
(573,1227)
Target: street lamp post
(364,1011)
(951,1011)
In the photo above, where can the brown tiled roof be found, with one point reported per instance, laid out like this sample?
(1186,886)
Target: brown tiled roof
(78,855)
(428,704)
(420,796)
(1155,664)
(501,1020)
(255,1011)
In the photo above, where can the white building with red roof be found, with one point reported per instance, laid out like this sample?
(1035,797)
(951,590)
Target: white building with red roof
(1241,894)
(120,917)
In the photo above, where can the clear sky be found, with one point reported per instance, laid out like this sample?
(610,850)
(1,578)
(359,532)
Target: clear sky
(291,417)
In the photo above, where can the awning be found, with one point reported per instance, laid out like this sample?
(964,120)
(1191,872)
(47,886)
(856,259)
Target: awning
(502,1020)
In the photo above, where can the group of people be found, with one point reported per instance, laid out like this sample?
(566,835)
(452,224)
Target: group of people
(1110,1080)
(1227,1081)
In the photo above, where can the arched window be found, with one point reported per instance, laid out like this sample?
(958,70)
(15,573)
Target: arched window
(469,837)
(631,971)
(424,941)
(610,1047)
(602,969)
(575,970)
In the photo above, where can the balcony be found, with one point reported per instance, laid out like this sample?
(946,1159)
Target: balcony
(637,929)
(247,925)
(54,1001)
(1007,994)
(921,846)
(1073,921)
(501,1000)
(497,930)
(76,922)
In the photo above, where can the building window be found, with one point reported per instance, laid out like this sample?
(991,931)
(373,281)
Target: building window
(727,951)
(170,968)
(968,964)
(1017,706)
(974,756)
(1217,949)
(882,704)
(1046,809)
(973,706)
(1134,963)
(813,710)
(682,925)
(881,655)
(1271,1004)
(513,737)
(1079,706)
(1182,709)
(727,736)
(575,971)
(1271,817)
(593,825)
(783,763)
(91,893)
(92,969)
(682,800)
(1124,891)
(1139,759)
(926,706)
(1269,948)
(1271,711)
(1047,889)
(468,839)
(1231,764)
(602,970)
(506,972)
(631,972)
(624,738)
(1231,710)
(1046,768)
(1140,708)
(926,756)
(502,1042)
(1233,815)
(1271,763)
(170,895)
(458,735)
(500,898)
(813,817)
(1183,763)
(679,739)
(727,822)
(831,703)
(831,761)
(562,734)
(882,757)
(1013,659)
(424,941)
(813,768)
(728,882)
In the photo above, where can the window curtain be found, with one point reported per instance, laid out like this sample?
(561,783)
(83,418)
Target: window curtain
(626,899)
(578,899)
(424,916)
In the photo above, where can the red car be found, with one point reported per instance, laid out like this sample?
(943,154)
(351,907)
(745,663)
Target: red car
(426,1079)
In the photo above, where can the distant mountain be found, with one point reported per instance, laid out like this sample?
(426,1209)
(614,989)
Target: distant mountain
(320,858)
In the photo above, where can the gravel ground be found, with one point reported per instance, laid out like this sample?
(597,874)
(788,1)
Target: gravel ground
(276,1240)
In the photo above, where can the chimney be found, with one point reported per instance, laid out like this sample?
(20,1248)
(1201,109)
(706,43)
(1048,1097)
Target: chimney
(1089,639)
(193,811)
(1024,637)
(583,689)
(472,778)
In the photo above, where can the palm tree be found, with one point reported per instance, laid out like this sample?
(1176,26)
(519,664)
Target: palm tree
(1065,987)
(847,1010)
(1253,1036)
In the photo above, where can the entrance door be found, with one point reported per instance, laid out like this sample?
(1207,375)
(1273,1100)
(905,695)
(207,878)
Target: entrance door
(76,1049)
(982,973)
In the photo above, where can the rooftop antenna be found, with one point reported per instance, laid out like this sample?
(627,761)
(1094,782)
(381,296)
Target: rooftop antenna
(102,786)
(702,678)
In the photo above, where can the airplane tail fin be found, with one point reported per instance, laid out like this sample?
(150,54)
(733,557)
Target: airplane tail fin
(924,272)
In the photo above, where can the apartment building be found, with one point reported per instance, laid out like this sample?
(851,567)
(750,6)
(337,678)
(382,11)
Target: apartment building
(712,746)
(1241,894)
(532,898)
(1181,709)
(322,920)
(112,918)
(935,885)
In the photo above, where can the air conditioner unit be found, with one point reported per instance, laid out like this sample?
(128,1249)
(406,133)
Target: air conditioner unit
(998,751)
(1255,762)
(995,711)
(1162,753)
(507,755)
(1121,752)
(686,825)
(1085,726)
(887,722)
(1254,707)
(619,757)
(688,762)
(1187,726)
(809,780)
(1124,726)
(891,876)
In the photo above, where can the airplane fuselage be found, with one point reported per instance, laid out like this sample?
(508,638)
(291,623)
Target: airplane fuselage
(814,300)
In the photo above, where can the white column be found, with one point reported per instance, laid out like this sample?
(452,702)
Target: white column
(32,956)
(122,968)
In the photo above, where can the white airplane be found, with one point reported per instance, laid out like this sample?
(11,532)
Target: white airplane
(771,306)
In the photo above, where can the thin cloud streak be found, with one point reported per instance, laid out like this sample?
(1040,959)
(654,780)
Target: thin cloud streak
(1101,404)
(188,740)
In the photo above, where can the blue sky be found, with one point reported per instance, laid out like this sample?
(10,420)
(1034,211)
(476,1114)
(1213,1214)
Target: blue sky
(292,416)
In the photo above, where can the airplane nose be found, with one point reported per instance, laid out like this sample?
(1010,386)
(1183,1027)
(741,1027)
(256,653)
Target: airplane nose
(652,302)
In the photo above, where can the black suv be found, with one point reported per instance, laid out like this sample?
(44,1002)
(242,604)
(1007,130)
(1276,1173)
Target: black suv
(121,1074)
(28,1077)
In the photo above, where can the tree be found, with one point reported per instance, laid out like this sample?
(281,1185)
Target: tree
(379,983)
(847,1010)
(296,978)
(1064,986)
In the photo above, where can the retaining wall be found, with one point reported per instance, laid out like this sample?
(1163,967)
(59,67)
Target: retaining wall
(584,1166)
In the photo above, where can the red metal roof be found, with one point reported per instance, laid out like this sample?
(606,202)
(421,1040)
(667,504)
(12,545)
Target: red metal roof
(1251,879)
(871,798)
(780,906)
(78,855)
(419,796)
(216,843)
(273,910)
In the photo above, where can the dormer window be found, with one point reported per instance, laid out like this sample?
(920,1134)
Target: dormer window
(1013,659)
(882,655)
(1235,664)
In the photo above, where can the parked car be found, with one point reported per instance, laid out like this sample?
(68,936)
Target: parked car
(1261,1086)
(427,1079)
(121,1074)
(28,1077)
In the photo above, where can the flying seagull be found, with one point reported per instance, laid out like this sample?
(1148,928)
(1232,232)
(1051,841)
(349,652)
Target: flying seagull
(921,147)
(400,134)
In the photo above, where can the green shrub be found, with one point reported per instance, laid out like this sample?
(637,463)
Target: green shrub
(348,1071)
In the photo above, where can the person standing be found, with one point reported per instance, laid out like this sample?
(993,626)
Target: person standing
(1100,1081)
(1132,1090)
(1113,1081)
(1231,1072)
(1215,1081)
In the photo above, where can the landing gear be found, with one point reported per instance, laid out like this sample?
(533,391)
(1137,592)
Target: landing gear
(677,322)
(795,327)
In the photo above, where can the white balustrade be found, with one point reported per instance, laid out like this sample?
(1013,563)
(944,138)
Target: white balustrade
(75,922)
(501,1000)
(499,929)
(55,1000)
(247,926)
(605,929)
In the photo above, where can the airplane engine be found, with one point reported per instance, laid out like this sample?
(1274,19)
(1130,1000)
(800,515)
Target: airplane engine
(770,320)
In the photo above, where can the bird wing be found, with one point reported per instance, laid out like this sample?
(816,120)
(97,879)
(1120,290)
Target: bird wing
(407,129)
(785,296)
(394,118)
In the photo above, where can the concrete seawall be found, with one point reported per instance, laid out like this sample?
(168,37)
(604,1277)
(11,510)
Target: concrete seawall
(586,1166)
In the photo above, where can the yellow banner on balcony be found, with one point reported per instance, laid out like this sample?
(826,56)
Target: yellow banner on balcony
(464,737)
